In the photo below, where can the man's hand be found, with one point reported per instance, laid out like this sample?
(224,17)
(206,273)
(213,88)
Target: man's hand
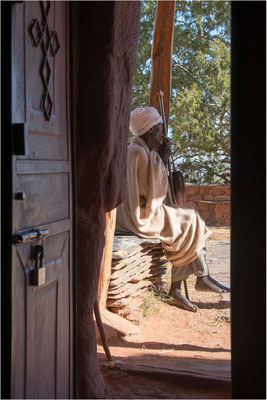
(165,150)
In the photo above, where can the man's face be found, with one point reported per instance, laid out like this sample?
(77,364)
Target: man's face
(157,134)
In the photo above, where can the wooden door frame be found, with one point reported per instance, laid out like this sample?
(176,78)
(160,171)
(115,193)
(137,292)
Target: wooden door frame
(6,162)
(74,219)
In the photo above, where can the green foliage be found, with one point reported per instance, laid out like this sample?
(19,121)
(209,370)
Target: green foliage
(142,73)
(200,103)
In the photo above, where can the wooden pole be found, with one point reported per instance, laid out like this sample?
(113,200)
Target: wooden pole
(105,269)
(161,57)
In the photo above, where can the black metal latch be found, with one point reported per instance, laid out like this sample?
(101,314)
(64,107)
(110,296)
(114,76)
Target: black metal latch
(29,235)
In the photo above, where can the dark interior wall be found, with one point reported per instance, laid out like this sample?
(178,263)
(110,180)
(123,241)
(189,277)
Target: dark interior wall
(104,50)
(6,199)
(248,261)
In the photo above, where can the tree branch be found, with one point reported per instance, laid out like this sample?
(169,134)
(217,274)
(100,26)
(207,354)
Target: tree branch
(183,68)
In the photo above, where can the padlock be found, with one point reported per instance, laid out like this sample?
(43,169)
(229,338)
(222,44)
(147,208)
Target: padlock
(38,274)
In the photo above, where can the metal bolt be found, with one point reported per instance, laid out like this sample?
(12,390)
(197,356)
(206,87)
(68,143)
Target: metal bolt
(19,195)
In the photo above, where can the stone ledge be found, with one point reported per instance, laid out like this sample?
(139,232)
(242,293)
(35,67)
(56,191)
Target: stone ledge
(114,326)
(214,201)
(126,243)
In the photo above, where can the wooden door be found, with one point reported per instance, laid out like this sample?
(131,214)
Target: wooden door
(41,359)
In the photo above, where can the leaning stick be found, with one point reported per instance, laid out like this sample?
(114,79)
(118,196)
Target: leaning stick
(161,104)
(101,331)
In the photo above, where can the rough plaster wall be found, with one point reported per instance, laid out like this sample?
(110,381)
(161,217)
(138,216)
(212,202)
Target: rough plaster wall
(104,47)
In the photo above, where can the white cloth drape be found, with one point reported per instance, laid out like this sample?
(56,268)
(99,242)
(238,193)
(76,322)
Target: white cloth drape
(181,229)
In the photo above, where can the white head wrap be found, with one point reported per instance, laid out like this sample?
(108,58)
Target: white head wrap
(142,119)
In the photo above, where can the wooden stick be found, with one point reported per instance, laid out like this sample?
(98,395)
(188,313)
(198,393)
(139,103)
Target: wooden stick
(105,269)
(186,290)
(102,331)
(165,131)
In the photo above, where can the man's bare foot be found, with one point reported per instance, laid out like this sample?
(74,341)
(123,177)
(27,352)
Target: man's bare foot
(208,284)
(181,301)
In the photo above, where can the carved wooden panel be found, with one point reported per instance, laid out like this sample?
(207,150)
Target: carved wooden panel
(42,315)
(48,41)
(42,82)
(40,340)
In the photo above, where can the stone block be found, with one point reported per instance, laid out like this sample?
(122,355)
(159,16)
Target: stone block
(205,214)
(219,215)
(217,198)
(211,191)
(204,190)
(215,191)
(222,207)
(190,204)
(115,325)
(209,197)
(191,190)
(222,197)
(202,206)
(196,197)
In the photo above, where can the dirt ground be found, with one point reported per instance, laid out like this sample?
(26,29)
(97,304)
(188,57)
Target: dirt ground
(174,342)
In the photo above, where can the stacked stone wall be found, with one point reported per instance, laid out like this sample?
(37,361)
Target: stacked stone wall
(211,201)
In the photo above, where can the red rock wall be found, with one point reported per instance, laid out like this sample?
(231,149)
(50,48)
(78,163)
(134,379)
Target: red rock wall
(104,48)
(212,202)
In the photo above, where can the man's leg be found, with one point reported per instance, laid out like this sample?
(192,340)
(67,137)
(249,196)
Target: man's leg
(205,282)
(180,274)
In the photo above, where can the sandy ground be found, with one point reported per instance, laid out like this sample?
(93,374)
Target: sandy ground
(174,341)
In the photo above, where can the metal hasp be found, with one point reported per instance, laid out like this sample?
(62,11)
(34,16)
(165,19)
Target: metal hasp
(49,42)
(29,235)
(38,274)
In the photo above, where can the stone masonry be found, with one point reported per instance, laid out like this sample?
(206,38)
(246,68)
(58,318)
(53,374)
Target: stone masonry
(211,201)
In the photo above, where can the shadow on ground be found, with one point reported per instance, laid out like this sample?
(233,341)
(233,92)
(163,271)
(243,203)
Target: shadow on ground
(160,345)
(134,378)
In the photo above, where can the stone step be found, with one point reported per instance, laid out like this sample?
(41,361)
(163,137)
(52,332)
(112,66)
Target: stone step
(114,326)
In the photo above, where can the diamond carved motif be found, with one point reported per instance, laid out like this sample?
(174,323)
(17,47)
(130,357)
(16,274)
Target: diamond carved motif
(55,46)
(49,42)
(36,32)
(46,73)
(47,105)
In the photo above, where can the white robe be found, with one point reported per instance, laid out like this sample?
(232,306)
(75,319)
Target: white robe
(181,229)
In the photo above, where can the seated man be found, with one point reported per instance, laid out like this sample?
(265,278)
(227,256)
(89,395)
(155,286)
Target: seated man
(181,229)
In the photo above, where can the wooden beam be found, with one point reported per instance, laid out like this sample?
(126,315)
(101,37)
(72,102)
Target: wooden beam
(161,57)
(105,270)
